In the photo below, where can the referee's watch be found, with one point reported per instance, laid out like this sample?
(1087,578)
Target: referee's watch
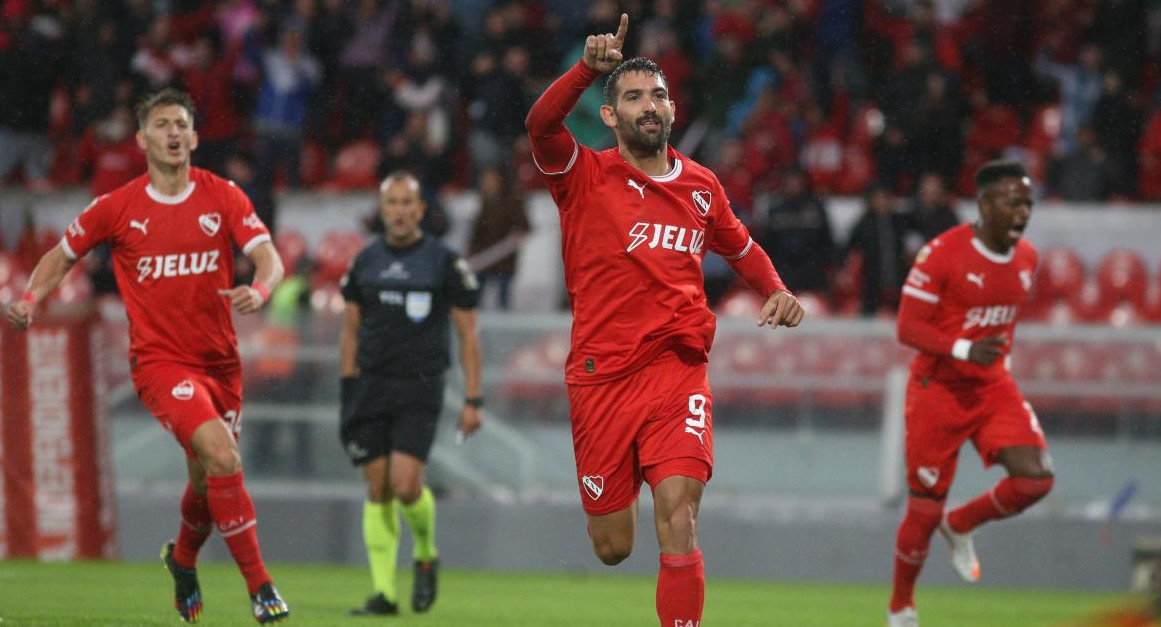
(474,401)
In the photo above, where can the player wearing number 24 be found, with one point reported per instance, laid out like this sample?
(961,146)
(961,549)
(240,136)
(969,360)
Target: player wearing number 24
(173,232)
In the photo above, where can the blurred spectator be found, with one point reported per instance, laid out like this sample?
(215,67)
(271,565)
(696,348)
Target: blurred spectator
(928,215)
(794,229)
(29,68)
(109,149)
(415,150)
(419,87)
(242,168)
(935,128)
(736,178)
(497,105)
(1083,173)
(209,79)
(1079,84)
(878,236)
(289,76)
(368,46)
(499,229)
(1118,126)
(155,64)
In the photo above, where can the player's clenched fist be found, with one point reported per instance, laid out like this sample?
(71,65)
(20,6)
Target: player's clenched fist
(603,52)
(781,309)
(20,314)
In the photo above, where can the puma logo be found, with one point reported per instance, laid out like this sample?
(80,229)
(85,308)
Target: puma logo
(978,279)
(697,433)
(637,186)
(134,224)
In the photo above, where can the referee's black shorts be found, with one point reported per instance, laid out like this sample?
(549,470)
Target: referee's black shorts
(383,414)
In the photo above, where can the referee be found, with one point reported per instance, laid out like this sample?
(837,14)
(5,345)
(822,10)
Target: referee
(400,293)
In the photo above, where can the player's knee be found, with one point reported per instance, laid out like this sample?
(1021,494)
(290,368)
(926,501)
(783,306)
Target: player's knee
(408,492)
(222,461)
(612,550)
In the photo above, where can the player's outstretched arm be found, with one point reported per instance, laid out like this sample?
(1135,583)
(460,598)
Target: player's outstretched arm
(49,272)
(781,309)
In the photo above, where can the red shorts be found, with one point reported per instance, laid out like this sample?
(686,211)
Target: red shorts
(182,398)
(652,424)
(940,418)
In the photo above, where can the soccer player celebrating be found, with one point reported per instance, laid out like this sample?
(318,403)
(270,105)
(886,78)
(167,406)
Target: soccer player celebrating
(959,309)
(400,293)
(636,222)
(173,233)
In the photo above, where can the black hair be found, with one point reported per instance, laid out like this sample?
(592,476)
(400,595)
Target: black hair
(636,64)
(994,171)
(164,98)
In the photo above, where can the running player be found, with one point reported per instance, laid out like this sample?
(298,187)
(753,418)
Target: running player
(173,233)
(959,308)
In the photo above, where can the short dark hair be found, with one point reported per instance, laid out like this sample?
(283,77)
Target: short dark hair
(636,64)
(163,98)
(993,171)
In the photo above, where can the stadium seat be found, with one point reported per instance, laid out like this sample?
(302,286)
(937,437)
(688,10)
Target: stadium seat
(1115,294)
(357,165)
(313,168)
(334,254)
(742,302)
(73,295)
(292,247)
(1059,281)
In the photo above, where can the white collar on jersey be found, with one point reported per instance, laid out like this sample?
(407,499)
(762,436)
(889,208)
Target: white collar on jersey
(991,255)
(170,200)
(671,175)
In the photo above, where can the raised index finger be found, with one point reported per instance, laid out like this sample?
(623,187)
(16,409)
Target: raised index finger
(623,29)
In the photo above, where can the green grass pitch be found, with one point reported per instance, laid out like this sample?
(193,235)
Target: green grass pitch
(131,594)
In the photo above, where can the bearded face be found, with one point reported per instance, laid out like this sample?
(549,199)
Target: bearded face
(642,114)
(647,132)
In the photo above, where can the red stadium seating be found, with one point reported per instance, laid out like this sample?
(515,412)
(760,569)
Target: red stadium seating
(1058,285)
(313,169)
(357,165)
(1115,294)
(292,247)
(335,252)
(742,302)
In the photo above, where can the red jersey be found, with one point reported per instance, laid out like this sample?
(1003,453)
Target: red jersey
(633,245)
(171,255)
(958,289)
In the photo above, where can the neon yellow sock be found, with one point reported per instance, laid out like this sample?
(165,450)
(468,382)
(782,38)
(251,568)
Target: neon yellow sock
(420,517)
(381,537)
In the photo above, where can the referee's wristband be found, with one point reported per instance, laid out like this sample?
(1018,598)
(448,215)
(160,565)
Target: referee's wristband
(961,349)
(474,401)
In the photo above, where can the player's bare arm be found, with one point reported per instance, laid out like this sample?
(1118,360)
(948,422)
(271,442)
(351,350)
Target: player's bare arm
(471,358)
(986,351)
(603,52)
(247,299)
(349,340)
(49,272)
(781,309)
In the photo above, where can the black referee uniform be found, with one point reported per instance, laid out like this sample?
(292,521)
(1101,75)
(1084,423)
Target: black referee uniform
(405,296)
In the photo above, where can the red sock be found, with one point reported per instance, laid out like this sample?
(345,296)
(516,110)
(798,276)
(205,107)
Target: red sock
(1010,496)
(233,513)
(911,542)
(681,590)
(196,525)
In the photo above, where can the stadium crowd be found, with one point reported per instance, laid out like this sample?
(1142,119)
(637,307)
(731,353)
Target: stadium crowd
(791,101)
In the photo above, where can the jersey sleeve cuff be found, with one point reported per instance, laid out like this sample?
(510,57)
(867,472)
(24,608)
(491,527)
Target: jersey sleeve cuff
(915,292)
(252,244)
(961,348)
(68,250)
